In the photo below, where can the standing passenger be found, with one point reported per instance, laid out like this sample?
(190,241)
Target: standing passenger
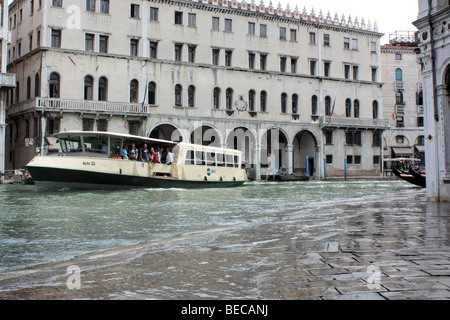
(144,154)
(155,157)
(169,156)
(133,152)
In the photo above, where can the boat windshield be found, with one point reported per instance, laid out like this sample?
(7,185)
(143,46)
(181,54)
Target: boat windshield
(70,144)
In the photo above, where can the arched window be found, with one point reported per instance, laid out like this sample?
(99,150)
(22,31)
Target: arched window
(251,100)
(294,104)
(178,95)
(229,99)
(88,87)
(152,93)
(348,108)
(399,75)
(28,88)
(399,97)
(328,106)
(54,85)
(314,105)
(216,98)
(191,96)
(283,103)
(134,91)
(263,101)
(356,108)
(103,89)
(375,109)
(37,85)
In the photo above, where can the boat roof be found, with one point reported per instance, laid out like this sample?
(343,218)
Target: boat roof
(75,133)
(110,134)
(402,159)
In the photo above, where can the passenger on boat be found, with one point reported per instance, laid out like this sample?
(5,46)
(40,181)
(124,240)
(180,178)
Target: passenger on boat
(124,152)
(144,156)
(155,157)
(134,152)
(159,153)
(104,147)
(169,157)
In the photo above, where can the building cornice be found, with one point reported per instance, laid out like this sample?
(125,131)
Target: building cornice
(283,15)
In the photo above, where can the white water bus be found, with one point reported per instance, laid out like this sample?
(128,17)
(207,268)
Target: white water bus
(92,160)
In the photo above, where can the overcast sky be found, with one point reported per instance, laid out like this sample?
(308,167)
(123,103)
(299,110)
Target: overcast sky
(391,15)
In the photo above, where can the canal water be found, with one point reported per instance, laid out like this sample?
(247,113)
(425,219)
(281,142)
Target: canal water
(48,227)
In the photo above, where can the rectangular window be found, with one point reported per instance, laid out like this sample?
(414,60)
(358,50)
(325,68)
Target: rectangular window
(134,45)
(294,65)
(102,125)
(293,34)
(347,43)
(263,30)
(30,42)
(251,28)
(329,137)
(191,53)
(347,68)
(153,49)
(312,38)
(104,44)
(329,158)
(376,159)
(178,51)
(228,58)
(374,74)
(326,69)
(326,40)
(89,42)
(251,60)
(263,61)
(354,44)
(312,67)
(56,38)
(104,6)
(283,61)
(88,124)
(398,56)
(376,139)
(215,56)
(355,72)
(215,23)
(228,25)
(134,11)
(349,159)
(282,33)
(420,121)
(192,20)
(373,47)
(357,159)
(57,3)
(178,17)
(90,5)
(153,14)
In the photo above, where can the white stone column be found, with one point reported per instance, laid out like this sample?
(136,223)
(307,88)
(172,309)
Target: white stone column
(289,154)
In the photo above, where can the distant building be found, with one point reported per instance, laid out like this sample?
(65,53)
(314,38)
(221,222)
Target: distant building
(402,97)
(7,81)
(434,34)
(289,85)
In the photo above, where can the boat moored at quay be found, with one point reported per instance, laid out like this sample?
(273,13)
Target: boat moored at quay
(96,160)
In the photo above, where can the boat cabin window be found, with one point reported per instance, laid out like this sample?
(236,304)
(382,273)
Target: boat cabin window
(96,144)
(70,144)
(116,145)
(201,158)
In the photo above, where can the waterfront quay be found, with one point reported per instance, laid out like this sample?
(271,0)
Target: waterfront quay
(393,246)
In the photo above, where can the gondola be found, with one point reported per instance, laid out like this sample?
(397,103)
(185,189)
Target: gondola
(408,177)
(418,175)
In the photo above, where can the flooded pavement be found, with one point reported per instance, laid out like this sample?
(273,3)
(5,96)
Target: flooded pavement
(380,246)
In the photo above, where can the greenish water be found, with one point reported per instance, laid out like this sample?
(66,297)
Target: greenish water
(47,227)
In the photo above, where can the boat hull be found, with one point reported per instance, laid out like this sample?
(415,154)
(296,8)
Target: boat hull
(47,179)
(408,177)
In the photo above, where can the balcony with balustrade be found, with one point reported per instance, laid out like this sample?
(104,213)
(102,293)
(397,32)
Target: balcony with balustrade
(7,80)
(353,123)
(80,106)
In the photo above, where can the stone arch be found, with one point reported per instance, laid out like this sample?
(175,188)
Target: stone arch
(274,143)
(305,146)
(167,131)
